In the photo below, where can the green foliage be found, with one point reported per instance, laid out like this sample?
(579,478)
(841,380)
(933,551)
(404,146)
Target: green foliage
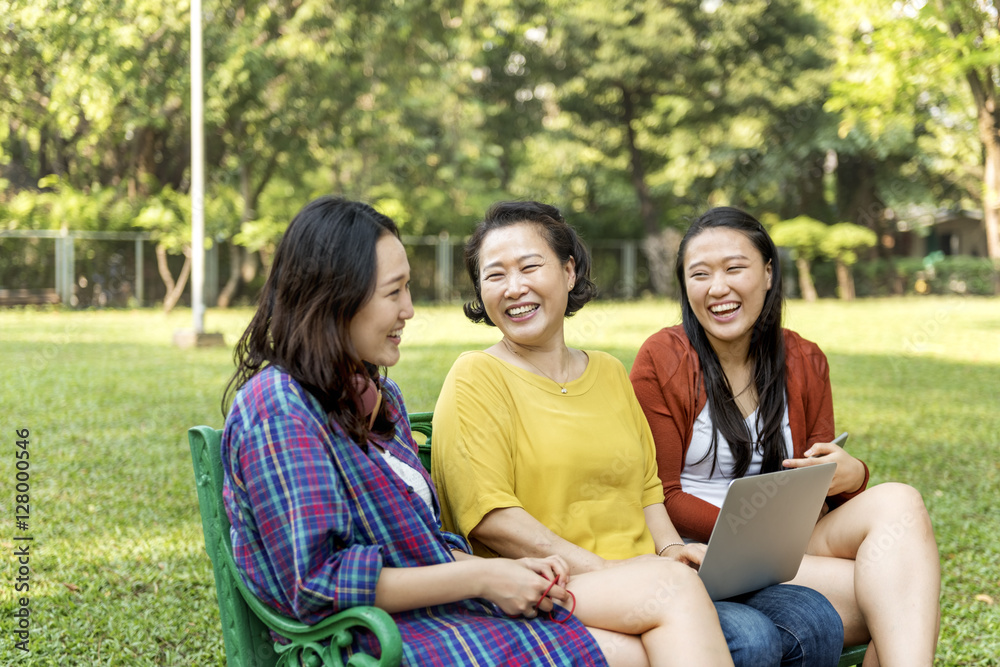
(681,100)
(843,240)
(802,235)
(60,205)
(628,115)
(972,276)
(167,216)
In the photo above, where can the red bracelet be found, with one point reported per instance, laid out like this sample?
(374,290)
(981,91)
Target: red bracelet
(552,614)
(551,584)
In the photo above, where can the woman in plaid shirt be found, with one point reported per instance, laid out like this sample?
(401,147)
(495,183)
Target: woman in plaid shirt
(331,508)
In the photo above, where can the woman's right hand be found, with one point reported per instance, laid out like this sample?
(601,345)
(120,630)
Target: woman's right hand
(691,554)
(516,586)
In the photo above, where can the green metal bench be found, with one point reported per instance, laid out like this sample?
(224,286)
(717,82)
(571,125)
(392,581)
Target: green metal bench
(246,620)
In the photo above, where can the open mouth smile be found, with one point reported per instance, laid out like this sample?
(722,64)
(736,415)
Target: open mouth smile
(520,311)
(724,309)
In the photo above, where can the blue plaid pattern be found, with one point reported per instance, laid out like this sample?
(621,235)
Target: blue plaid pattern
(315,517)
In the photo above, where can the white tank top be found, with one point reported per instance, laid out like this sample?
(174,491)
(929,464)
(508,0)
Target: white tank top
(410,477)
(698,477)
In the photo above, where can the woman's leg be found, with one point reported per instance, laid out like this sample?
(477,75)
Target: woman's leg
(897,579)
(834,578)
(810,630)
(661,601)
(620,650)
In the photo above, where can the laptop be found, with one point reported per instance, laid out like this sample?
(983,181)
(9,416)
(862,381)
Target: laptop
(763,529)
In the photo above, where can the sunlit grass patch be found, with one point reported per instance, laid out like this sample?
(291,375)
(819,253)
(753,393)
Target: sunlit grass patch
(119,573)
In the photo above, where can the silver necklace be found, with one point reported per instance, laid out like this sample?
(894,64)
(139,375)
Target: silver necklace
(562,386)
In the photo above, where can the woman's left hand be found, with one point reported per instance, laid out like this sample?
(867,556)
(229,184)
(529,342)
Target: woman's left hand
(850,474)
(553,568)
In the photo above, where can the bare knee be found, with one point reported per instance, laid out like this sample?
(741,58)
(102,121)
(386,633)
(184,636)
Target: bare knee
(897,502)
(671,587)
(681,576)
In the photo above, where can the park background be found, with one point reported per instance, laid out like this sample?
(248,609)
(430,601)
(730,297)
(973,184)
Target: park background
(864,134)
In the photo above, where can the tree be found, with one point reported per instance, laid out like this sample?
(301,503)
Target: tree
(643,73)
(975,42)
(803,236)
(841,243)
(905,136)
(882,113)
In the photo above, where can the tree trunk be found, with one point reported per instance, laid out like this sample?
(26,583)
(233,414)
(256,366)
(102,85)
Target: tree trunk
(243,263)
(845,282)
(161,266)
(229,289)
(661,253)
(174,288)
(656,246)
(809,197)
(991,187)
(991,198)
(145,159)
(249,266)
(858,199)
(984,93)
(265,260)
(806,286)
(982,82)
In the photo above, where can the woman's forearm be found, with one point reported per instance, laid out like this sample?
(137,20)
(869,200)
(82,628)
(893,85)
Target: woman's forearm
(513,533)
(660,526)
(405,588)
(518,587)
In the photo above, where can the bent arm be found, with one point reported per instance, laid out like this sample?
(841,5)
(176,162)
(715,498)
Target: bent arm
(817,398)
(666,395)
(513,533)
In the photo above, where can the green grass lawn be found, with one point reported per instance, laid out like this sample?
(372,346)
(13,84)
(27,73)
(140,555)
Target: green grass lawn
(119,575)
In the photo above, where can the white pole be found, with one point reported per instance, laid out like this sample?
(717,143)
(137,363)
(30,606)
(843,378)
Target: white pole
(197,173)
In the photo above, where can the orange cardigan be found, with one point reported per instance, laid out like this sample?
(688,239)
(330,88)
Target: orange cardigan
(667,379)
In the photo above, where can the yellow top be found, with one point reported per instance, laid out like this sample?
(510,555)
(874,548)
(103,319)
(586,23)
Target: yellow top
(582,463)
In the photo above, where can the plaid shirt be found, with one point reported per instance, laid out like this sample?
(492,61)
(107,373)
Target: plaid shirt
(315,518)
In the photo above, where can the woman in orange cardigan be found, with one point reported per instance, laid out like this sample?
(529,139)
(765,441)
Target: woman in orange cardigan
(731,393)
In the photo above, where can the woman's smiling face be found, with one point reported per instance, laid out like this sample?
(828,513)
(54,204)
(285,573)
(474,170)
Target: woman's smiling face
(726,281)
(377,328)
(524,286)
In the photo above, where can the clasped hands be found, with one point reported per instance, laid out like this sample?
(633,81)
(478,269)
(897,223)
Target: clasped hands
(526,586)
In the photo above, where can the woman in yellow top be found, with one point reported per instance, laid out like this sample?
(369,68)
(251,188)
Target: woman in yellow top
(542,449)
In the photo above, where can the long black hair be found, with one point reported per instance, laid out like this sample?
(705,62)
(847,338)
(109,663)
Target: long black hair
(766,353)
(562,239)
(324,271)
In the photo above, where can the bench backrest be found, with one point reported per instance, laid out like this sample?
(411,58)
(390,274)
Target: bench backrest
(247,640)
(246,620)
(420,422)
